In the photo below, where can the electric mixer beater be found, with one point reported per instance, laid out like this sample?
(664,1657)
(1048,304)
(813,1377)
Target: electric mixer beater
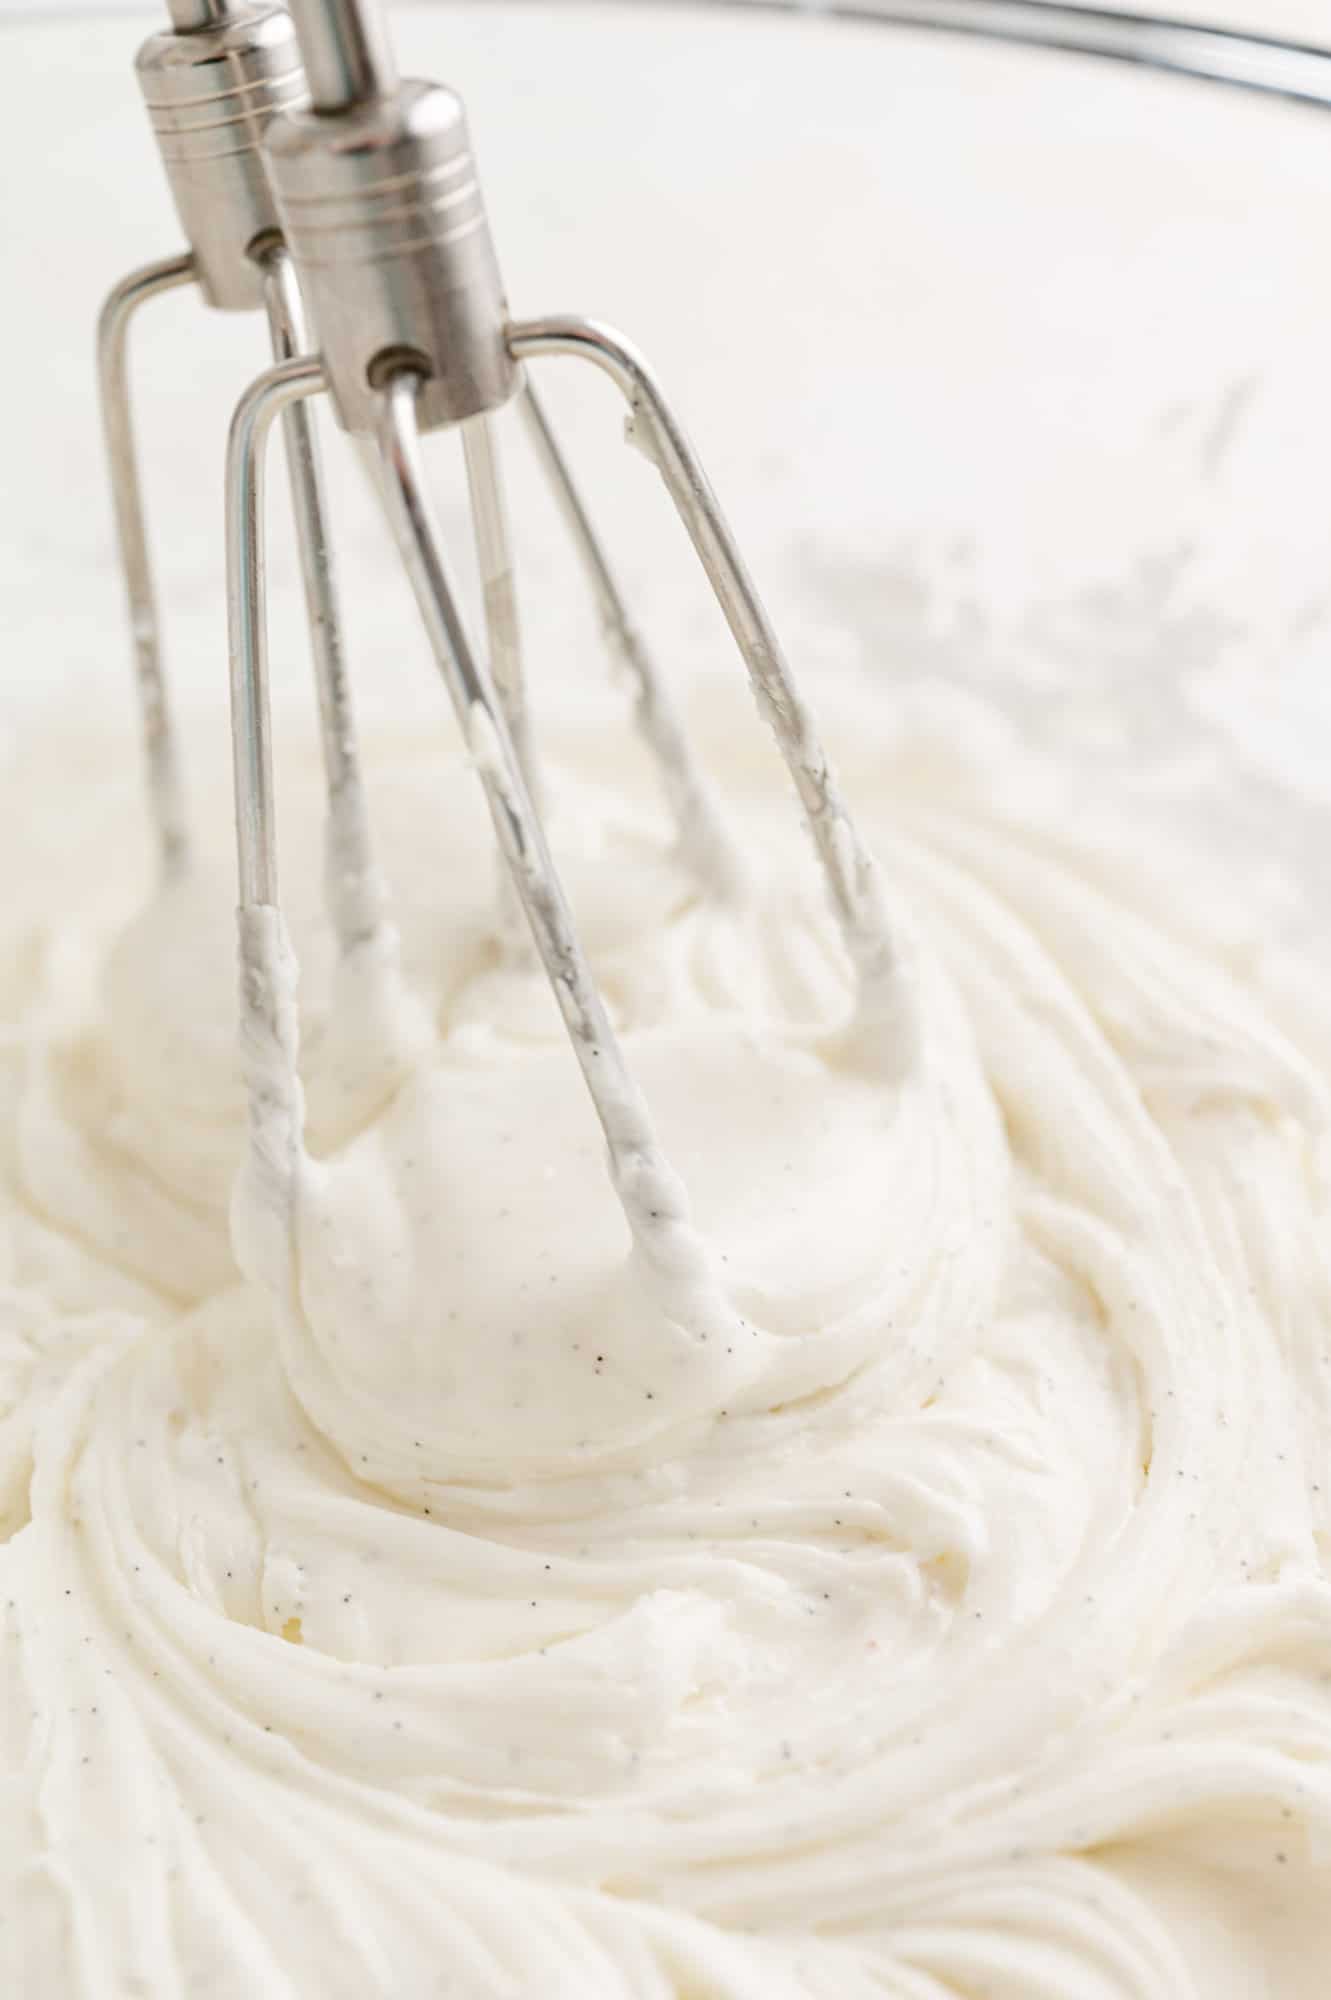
(210,84)
(376,203)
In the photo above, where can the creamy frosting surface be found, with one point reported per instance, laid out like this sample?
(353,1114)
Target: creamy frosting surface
(431,1613)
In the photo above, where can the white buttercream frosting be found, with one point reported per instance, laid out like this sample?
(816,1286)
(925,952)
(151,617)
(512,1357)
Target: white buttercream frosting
(935,1605)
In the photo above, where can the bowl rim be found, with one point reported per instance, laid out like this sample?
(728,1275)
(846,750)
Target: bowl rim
(1204,52)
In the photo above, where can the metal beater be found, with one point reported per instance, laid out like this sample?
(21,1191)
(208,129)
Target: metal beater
(372,195)
(210,84)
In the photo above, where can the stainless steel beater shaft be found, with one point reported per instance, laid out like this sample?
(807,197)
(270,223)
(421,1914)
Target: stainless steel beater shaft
(381,205)
(210,84)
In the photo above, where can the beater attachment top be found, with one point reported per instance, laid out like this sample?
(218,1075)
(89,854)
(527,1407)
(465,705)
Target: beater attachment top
(383,212)
(210,87)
